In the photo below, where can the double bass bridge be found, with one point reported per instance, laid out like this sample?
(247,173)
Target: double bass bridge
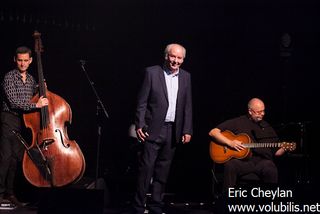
(46,142)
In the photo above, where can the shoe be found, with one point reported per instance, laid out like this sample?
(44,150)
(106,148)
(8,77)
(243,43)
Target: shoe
(7,205)
(13,200)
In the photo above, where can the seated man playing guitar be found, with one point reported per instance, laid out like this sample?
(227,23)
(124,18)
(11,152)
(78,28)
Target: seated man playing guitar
(230,146)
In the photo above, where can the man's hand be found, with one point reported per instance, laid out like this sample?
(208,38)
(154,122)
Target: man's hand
(236,144)
(186,138)
(42,101)
(141,135)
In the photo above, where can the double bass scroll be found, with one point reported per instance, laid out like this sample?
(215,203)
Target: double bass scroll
(62,156)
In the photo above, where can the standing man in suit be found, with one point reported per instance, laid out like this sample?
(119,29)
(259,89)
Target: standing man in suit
(163,119)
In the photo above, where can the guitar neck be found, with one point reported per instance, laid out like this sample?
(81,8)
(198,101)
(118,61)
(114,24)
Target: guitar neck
(263,145)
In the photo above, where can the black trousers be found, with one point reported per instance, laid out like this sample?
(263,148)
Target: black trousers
(264,168)
(11,151)
(154,167)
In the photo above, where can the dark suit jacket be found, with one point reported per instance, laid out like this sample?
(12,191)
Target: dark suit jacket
(153,103)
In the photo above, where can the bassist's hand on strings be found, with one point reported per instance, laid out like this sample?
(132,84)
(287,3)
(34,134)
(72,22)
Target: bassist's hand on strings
(42,101)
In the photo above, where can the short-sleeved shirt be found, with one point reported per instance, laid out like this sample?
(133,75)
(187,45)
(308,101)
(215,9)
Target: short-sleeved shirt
(259,132)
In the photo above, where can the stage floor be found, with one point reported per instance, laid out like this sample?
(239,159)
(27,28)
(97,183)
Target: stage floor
(172,208)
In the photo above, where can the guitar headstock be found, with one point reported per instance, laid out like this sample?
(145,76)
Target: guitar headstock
(289,146)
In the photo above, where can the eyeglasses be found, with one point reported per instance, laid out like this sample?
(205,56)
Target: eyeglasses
(258,112)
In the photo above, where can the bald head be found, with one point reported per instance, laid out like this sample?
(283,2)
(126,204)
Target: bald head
(256,109)
(255,102)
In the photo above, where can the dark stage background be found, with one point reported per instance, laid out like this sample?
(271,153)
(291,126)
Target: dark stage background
(236,50)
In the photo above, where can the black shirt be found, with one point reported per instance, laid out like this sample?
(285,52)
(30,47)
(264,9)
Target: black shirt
(259,132)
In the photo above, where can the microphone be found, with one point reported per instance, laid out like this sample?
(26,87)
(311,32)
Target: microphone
(145,129)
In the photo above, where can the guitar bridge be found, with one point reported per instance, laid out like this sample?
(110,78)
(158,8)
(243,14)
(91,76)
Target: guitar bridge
(225,149)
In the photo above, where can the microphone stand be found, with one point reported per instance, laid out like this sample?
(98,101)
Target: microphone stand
(100,107)
(304,174)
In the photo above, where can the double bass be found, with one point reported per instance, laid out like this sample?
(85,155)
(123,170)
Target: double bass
(52,159)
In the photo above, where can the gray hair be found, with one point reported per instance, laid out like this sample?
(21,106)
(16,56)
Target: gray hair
(168,48)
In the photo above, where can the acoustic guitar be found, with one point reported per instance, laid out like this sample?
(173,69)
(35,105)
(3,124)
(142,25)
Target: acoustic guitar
(221,153)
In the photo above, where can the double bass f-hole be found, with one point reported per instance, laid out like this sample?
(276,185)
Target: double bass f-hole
(48,141)
(62,157)
(66,145)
